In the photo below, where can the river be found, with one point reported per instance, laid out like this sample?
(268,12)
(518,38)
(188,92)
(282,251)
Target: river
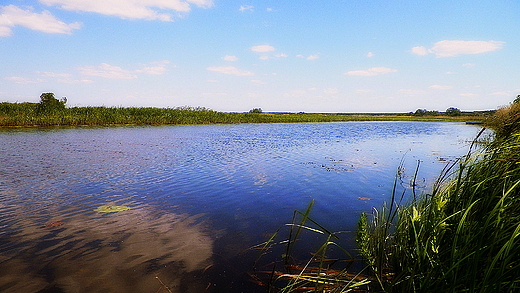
(199,196)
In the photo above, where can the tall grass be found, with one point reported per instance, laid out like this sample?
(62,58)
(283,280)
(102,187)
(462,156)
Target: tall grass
(462,237)
(29,114)
(320,272)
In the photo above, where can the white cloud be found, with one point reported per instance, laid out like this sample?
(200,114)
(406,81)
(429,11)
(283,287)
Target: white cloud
(468,65)
(12,15)
(155,68)
(450,72)
(411,92)
(500,94)
(262,48)
(440,87)
(331,91)
(469,95)
(263,57)
(230,70)
(370,54)
(245,8)
(313,57)
(23,80)
(295,93)
(131,9)
(364,91)
(452,48)
(230,58)
(107,71)
(300,56)
(421,51)
(372,71)
(269,9)
(281,55)
(115,72)
(257,81)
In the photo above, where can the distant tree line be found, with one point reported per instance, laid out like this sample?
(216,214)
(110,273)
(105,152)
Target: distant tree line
(449,112)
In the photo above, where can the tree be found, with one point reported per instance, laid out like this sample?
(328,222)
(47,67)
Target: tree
(420,112)
(517,100)
(256,110)
(48,103)
(453,112)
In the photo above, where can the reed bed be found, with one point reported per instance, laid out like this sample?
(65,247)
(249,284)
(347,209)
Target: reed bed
(464,236)
(30,114)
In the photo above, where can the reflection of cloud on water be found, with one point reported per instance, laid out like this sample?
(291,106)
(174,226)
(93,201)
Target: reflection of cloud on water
(120,252)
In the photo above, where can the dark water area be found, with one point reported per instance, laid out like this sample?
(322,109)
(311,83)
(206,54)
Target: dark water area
(200,196)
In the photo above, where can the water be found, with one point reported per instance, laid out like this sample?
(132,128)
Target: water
(200,196)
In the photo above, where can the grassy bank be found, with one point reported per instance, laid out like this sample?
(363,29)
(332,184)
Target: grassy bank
(33,114)
(462,237)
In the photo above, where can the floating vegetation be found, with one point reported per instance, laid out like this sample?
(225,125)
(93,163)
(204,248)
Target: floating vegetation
(111,209)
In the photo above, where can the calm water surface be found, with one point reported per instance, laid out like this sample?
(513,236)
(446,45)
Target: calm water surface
(200,196)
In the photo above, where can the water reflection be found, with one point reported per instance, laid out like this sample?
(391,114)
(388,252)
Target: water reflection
(129,251)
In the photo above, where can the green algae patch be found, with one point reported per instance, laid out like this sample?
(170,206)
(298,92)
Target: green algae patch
(111,209)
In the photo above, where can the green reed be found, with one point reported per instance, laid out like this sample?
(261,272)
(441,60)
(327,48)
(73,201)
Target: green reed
(30,114)
(319,273)
(464,236)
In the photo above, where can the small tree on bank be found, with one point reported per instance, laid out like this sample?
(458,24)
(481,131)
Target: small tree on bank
(256,110)
(49,104)
(453,112)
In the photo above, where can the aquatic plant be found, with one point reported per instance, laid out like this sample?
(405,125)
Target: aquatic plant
(111,209)
(319,273)
(464,236)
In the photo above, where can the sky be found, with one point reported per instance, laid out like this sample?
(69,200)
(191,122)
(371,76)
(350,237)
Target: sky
(349,56)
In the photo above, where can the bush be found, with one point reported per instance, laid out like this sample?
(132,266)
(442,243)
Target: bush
(453,112)
(49,104)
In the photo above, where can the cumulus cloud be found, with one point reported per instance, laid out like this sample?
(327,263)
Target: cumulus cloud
(115,72)
(263,49)
(452,48)
(246,8)
(281,55)
(230,58)
(230,70)
(12,15)
(421,51)
(370,54)
(313,57)
(310,57)
(371,71)
(131,9)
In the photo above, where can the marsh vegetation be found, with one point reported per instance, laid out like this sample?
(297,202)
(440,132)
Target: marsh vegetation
(462,236)
(53,112)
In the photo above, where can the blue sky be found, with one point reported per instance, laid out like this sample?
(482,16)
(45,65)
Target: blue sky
(297,55)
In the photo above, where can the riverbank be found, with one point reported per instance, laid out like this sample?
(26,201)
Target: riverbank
(463,236)
(30,115)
